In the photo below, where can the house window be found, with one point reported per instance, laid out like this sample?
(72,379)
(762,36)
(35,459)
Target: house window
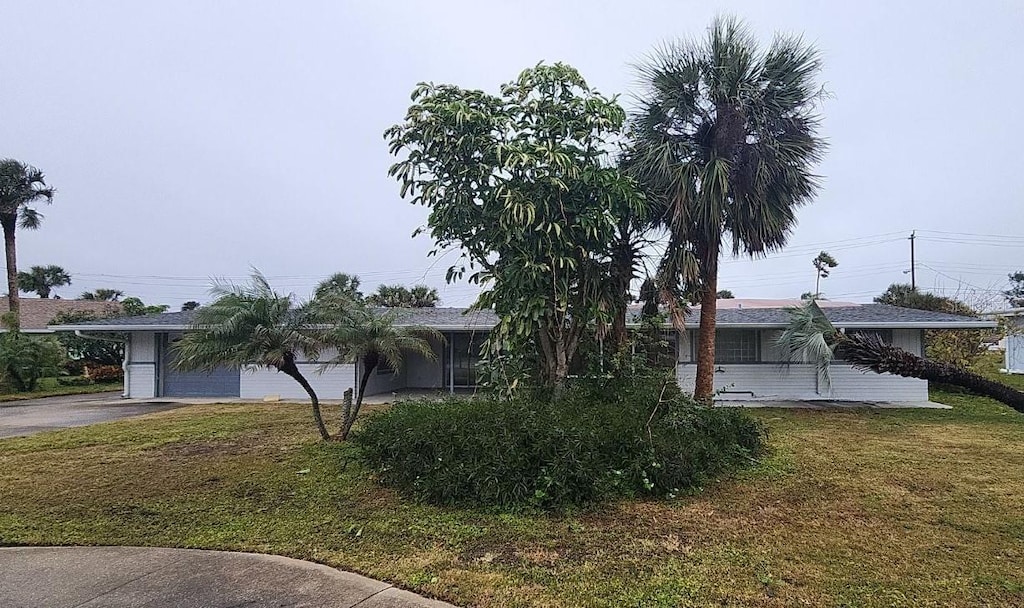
(736,346)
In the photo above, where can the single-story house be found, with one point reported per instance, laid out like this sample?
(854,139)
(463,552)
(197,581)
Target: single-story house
(749,365)
(37,313)
(1014,340)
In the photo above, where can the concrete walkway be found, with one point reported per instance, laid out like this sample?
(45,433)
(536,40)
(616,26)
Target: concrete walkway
(119,577)
(31,416)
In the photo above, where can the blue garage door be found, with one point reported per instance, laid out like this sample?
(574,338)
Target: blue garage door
(221,382)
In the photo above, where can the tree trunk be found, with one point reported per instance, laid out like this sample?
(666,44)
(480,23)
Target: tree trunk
(369,364)
(704,388)
(11,253)
(869,352)
(292,370)
(561,371)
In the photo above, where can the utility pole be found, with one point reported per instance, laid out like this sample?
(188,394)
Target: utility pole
(913,279)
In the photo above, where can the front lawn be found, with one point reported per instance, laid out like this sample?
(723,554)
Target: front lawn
(51,387)
(869,508)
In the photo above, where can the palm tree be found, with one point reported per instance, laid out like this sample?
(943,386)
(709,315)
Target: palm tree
(106,295)
(811,338)
(726,136)
(399,296)
(42,280)
(368,338)
(339,284)
(252,325)
(21,186)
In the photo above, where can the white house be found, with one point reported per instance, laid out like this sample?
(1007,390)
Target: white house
(749,365)
(1014,340)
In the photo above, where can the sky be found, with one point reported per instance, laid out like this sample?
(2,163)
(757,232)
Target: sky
(196,140)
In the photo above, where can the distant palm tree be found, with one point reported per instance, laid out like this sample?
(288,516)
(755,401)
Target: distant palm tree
(724,140)
(339,284)
(368,338)
(811,338)
(252,325)
(106,295)
(42,279)
(399,296)
(21,187)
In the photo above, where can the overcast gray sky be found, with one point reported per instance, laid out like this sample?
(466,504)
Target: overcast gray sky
(196,139)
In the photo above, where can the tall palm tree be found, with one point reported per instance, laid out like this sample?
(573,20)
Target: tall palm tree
(103,294)
(811,338)
(726,135)
(367,338)
(252,325)
(21,187)
(42,279)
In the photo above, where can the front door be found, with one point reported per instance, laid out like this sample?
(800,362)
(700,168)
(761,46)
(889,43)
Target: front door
(462,356)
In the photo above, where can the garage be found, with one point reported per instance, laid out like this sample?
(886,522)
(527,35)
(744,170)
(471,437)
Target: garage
(220,382)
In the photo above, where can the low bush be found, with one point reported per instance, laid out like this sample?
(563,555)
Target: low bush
(104,373)
(590,444)
(74,381)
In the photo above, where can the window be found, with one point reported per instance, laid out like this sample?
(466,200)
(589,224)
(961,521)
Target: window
(736,346)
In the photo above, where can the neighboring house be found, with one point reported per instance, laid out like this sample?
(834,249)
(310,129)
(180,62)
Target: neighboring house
(749,365)
(38,313)
(1013,343)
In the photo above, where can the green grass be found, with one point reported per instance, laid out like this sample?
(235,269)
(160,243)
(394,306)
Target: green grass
(852,508)
(49,387)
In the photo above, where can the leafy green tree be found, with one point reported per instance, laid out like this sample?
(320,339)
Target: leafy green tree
(104,352)
(368,338)
(811,338)
(190,305)
(522,184)
(21,187)
(724,294)
(25,359)
(399,296)
(823,265)
(339,284)
(252,325)
(42,279)
(726,137)
(102,294)
(1015,294)
(135,307)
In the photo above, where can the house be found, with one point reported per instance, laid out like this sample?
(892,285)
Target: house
(749,365)
(1013,347)
(38,313)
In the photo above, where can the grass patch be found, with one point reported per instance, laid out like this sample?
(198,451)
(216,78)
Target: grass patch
(49,387)
(851,508)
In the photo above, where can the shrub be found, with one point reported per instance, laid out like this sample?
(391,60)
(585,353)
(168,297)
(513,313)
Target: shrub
(74,381)
(590,444)
(25,359)
(104,373)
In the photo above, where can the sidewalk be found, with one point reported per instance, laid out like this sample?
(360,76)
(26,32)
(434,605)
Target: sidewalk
(119,577)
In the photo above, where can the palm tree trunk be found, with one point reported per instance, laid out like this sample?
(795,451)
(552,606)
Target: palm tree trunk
(11,254)
(292,370)
(369,363)
(870,353)
(704,387)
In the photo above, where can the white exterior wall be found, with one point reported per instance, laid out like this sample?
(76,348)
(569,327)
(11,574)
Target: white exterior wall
(770,380)
(261,382)
(140,368)
(1015,353)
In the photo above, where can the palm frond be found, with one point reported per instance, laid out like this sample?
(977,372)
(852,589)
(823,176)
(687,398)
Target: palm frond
(809,338)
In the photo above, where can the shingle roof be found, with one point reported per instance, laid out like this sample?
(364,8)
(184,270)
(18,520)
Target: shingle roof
(854,315)
(37,313)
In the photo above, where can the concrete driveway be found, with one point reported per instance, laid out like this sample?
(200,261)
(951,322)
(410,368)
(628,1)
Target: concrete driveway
(33,416)
(119,577)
